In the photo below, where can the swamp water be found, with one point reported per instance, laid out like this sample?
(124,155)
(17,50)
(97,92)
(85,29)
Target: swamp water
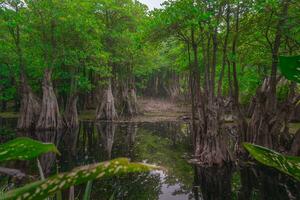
(165,144)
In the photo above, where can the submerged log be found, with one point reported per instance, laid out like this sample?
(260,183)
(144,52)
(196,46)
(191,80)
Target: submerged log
(106,110)
(12,172)
(49,118)
(30,107)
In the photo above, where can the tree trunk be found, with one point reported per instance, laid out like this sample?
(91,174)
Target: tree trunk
(266,122)
(30,107)
(106,110)
(295,149)
(129,102)
(212,139)
(133,97)
(224,59)
(50,118)
(71,113)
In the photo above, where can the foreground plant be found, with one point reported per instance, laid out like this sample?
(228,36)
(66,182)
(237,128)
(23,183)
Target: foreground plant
(50,186)
(287,164)
(290,67)
(25,149)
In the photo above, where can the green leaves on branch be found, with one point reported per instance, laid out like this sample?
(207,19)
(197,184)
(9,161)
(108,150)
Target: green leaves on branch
(286,164)
(290,67)
(42,189)
(24,149)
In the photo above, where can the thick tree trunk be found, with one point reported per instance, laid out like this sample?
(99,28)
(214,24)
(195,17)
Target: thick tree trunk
(106,110)
(212,147)
(30,107)
(258,126)
(129,102)
(71,113)
(211,141)
(50,118)
(295,149)
(267,121)
(267,128)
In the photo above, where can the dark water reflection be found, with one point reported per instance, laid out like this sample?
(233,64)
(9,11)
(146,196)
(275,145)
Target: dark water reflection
(165,144)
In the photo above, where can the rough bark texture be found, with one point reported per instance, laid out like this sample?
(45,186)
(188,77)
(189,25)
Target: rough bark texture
(106,110)
(50,118)
(212,145)
(30,107)
(268,120)
(295,149)
(71,113)
(266,127)
(129,103)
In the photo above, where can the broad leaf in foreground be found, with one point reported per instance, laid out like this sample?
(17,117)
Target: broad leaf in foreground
(286,164)
(24,149)
(290,67)
(42,189)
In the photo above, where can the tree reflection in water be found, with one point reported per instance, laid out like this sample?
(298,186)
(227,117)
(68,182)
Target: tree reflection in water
(213,183)
(164,143)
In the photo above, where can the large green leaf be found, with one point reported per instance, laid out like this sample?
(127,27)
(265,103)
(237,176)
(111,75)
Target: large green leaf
(290,67)
(24,149)
(42,189)
(286,164)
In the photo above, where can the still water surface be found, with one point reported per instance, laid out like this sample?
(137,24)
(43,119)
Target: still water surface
(166,144)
